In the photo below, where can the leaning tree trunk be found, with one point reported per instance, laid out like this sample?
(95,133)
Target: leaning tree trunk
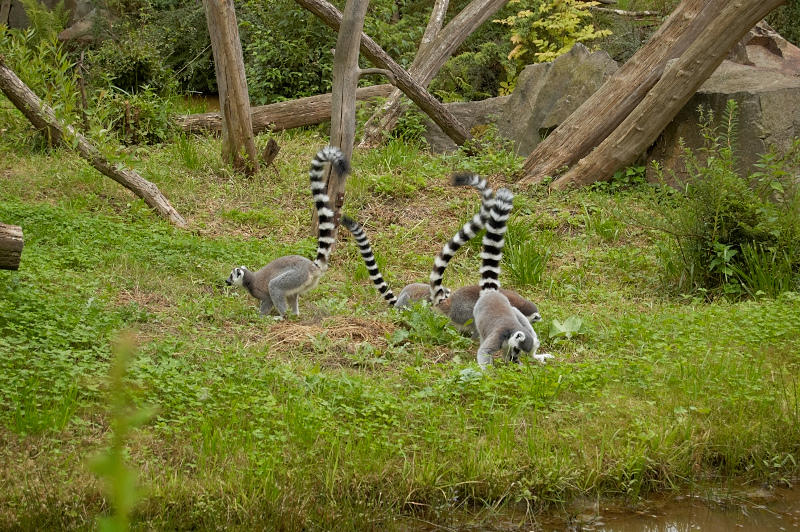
(604,110)
(234,99)
(378,57)
(681,79)
(385,117)
(44,119)
(11,243)
(430,58)
(281,115)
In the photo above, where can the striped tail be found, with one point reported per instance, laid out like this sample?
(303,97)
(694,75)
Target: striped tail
(369,258)
(319,191)
(494,239)
(467,232)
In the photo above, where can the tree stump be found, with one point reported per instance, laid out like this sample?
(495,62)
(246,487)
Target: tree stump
(11,243)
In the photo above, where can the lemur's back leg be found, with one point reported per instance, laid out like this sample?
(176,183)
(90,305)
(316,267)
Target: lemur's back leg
(294,301)
(266,306)
(279,287)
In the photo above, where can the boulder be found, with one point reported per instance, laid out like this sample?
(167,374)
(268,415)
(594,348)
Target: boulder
(762,75)
(545,94)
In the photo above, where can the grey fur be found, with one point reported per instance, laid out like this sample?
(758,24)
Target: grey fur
(281,282)
(460,304)
(500,326)
(460,308)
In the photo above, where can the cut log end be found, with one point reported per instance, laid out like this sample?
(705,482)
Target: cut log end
(11,243)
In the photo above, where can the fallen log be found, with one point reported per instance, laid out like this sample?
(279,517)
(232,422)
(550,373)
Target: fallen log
(43,118)
(11,242)
(282,115)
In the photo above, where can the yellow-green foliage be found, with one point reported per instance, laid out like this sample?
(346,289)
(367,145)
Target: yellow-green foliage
(542,31)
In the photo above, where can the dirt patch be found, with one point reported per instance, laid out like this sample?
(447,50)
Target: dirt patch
(287,335)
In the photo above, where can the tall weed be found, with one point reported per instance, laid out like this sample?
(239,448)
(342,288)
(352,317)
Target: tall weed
(721,222)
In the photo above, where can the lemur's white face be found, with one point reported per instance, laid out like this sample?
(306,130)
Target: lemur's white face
(237,277)
(516,339)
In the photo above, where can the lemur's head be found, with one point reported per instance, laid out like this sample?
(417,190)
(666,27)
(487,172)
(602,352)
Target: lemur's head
(236,277)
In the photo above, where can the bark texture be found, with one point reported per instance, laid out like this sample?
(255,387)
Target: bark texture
(429,60)
(44,119)
(343,97)
(282,115)
(5,9)
(378,57)
(11,243)
(681,79)
(238,142)
(614,101)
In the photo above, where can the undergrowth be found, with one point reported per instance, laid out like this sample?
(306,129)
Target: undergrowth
(356,415)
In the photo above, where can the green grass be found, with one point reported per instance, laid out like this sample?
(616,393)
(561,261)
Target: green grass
(355,416)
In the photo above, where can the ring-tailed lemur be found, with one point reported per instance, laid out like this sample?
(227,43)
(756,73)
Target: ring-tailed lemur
(282,281)
(500,325)
(408,295)
(461,302)
(464,235)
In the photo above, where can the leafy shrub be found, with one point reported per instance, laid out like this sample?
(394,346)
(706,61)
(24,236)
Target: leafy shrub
(473,75)
(141,117)
(729,231)
(129,58)
(45,23)
(46,68)
(544,30)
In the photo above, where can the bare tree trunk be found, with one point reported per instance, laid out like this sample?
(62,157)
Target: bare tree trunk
(378,57)
(343,96)
(234,99)
(680,81)
(11,243)
(604,110)
(429,60)
(282,115)
(43,118)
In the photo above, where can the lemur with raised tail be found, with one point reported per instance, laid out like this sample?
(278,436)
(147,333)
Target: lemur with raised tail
(460,303)
(409,295)
(281,282)
(501,326)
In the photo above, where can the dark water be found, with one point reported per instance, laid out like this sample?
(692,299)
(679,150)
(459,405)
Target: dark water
(758,510)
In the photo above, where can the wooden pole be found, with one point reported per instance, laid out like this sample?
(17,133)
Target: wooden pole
(378,57)
(604,110)
(234,98)
(281,115)
(434,51)
(681,79)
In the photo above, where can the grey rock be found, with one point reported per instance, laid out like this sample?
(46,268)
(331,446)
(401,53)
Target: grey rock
(545,95)
(472,115)
(764,80)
